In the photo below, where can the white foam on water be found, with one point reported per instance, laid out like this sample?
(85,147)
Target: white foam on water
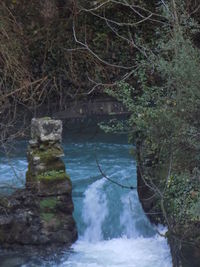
(129,214)
(131,250)
(121,252)
(94,211)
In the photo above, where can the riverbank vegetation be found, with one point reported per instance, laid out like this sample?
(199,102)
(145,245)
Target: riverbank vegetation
(164,125)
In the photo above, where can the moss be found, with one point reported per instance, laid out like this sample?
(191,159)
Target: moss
(47,154)
(4,203)
(52,176)
(51,220)
(47,216)
(48,204)
(56,165)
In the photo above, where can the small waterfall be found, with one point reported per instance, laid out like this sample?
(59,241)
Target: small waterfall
(95,211)
(130,247)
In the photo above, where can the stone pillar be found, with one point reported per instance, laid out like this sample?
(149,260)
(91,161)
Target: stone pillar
(46,173)
(47,179)
(41,214)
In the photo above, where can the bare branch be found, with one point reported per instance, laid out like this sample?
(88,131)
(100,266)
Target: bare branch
(112,181)
(195,10)
(97,56)
(22,88)
(96,8)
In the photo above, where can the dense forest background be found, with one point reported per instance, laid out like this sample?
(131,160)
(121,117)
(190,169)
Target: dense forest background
(55,51)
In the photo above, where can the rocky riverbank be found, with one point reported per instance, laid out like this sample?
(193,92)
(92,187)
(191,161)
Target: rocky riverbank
(174,204)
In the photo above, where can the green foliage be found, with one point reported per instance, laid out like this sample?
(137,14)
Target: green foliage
(165,104)
(165,111)
(182,198)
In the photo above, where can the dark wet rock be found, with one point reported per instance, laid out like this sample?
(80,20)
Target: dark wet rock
(35,256)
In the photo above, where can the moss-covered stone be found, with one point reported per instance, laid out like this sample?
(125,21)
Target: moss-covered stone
(47,153)
(47,216)
(53,176)
(48,204)
(4,203)
(56,165)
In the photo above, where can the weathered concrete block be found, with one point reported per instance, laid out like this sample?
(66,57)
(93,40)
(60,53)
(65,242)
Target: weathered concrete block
(46,130)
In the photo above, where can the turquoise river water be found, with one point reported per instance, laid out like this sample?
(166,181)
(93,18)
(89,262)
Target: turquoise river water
(113,229)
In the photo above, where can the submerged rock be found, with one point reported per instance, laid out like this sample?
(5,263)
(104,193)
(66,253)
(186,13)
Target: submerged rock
(41,214)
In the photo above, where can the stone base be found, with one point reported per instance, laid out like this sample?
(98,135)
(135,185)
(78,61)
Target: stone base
(27,219)
(41,214)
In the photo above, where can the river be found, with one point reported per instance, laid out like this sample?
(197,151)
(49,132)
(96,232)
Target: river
(113,229)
